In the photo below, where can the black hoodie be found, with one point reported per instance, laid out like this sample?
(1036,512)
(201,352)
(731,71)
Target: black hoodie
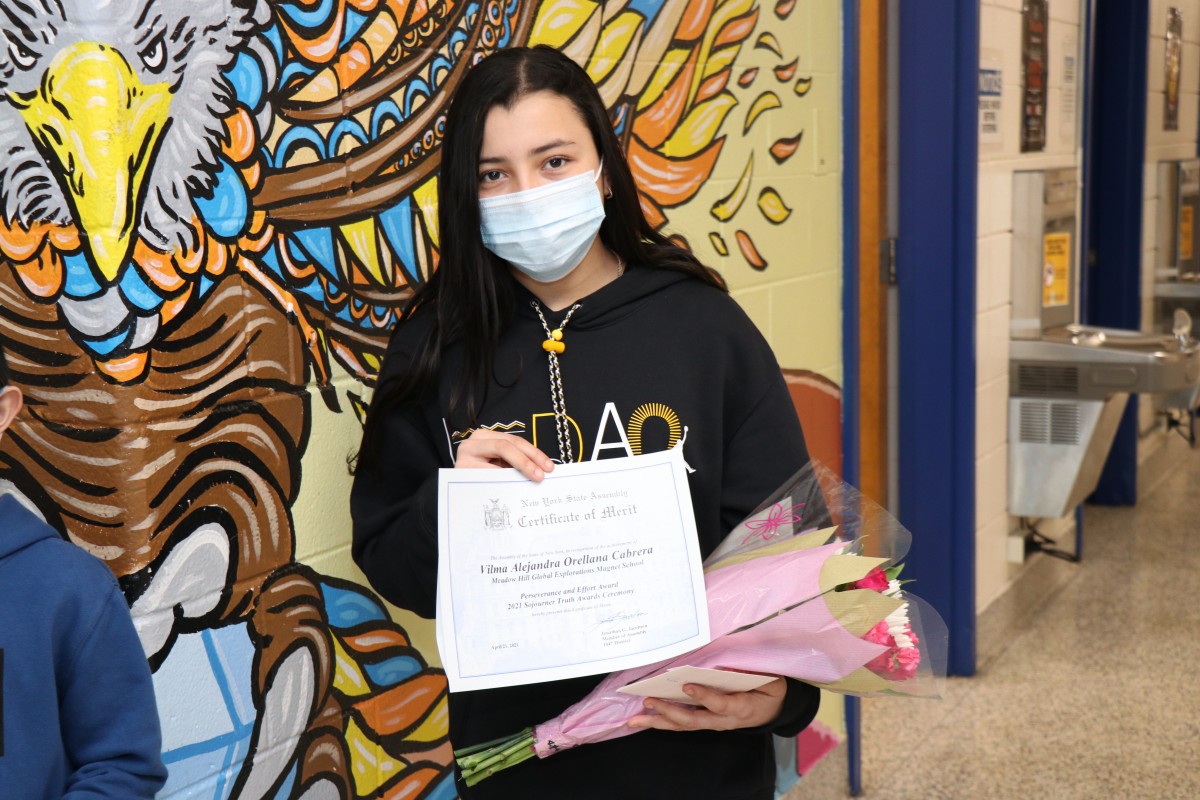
(647,356)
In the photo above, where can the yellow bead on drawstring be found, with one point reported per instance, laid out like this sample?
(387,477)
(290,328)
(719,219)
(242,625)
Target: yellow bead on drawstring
(554,344)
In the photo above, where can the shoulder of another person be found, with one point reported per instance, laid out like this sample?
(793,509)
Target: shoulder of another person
(70,577)
(80,567)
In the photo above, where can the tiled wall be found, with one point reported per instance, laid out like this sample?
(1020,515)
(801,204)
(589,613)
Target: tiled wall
(796,300)
(1000,48)
(1163,145)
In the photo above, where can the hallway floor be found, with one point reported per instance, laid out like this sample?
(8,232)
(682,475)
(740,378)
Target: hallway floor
(1096,693)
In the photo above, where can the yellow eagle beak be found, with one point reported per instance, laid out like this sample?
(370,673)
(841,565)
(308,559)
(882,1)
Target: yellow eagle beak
(102,125)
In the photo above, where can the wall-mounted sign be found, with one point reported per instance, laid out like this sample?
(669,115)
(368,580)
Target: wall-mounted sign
(1068,124)
(991,87)
(1056,269)
(1171,66)
(1033,78)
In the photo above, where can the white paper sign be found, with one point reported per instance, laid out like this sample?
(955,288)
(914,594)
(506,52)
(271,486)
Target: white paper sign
(669,685)
(991,96)
(1070,87)
(595,569)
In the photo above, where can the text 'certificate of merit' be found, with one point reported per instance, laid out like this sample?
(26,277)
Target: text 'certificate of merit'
(595,569)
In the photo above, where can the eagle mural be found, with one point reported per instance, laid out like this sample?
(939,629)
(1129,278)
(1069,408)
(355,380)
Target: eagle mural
(208,210)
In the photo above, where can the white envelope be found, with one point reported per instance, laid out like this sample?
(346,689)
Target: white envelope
(669,685)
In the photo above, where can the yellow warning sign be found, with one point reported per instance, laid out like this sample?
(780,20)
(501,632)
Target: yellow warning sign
(1056,269)
(1187,218)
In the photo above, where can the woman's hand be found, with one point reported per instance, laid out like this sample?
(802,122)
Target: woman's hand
(489,449)
(717,711)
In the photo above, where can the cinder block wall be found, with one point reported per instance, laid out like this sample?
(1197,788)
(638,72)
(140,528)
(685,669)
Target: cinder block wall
(999,157)
(198,333)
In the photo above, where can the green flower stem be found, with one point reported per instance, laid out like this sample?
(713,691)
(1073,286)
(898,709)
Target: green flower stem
(479,761)
(502,740)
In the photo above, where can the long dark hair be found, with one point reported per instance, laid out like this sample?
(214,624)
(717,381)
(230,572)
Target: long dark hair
(470,297)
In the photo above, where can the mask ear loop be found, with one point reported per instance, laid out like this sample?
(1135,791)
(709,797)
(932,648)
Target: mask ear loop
(600,174)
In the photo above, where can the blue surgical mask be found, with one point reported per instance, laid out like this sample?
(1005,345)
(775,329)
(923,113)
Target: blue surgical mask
(545,231)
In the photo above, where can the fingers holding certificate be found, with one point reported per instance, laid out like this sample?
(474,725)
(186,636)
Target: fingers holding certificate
(594,569)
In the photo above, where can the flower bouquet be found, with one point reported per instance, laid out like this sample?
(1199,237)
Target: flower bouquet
(806,587)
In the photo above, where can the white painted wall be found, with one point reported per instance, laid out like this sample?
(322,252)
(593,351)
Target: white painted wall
(1000,43)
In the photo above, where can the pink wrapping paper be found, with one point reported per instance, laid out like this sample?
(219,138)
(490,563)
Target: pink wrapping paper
(805,643)
(768,615)
(753,590)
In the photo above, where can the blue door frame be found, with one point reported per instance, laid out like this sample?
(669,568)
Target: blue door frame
(851,450)
(938,161)
(1114,156)
(935,266)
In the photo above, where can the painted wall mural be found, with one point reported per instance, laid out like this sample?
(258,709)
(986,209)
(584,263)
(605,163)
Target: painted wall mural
(210,215)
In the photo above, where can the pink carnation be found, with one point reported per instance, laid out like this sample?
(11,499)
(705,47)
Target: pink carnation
(896,663)
(907,661)
(875,580)
(879,635)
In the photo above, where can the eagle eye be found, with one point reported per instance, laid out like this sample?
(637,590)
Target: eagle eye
(154,55)
(21,55)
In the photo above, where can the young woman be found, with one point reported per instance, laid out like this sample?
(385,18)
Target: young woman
(542,234)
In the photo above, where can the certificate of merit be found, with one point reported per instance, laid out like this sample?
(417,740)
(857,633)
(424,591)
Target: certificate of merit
(595,569)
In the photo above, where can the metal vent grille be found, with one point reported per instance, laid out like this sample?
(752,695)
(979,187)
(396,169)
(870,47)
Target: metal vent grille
(1041,422)
(1044,380)
(1064,423)
(1035,422)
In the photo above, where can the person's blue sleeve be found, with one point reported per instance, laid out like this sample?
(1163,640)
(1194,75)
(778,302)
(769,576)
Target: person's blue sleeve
(109,718)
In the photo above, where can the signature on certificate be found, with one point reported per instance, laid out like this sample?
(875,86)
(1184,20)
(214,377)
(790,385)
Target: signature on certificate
(618,617)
